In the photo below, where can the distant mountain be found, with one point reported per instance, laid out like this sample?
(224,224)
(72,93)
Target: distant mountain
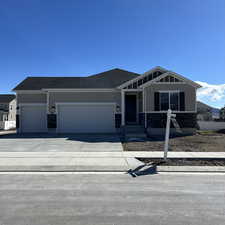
(204,108)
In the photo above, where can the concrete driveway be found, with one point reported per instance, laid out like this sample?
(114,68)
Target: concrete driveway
(59,143)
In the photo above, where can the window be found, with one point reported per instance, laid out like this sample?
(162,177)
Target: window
(174,100)
(169,100)
(164,101)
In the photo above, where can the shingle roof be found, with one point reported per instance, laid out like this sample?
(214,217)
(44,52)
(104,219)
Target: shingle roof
(6,98)
(107,79)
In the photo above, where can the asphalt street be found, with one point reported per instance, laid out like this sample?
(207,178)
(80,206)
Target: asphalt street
(112,199)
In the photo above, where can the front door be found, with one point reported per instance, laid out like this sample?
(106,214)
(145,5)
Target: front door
(130,109)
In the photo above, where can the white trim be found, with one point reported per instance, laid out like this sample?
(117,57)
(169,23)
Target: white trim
(196,106)
(123,106)
(132,90)
(137,107)
(143,101)
(192,83)
(178,76)
(81,90)
(30,92)
(85,103)
(169,83)
(145,106)
(172,111)
(32,104)
(166,91)
(131,93)
(141,76)
(48,97)
(19,111)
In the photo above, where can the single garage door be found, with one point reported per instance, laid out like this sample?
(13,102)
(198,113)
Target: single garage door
(33,119)
(86,118)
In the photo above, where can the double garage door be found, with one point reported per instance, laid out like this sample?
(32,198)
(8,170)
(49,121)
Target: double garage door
(71,118)
(85,118)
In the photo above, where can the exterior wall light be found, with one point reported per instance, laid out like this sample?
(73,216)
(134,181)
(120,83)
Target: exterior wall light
(117,108)
(52,110)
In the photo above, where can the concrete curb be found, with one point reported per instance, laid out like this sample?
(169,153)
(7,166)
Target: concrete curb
(190,169)
(60,169)
(206,169)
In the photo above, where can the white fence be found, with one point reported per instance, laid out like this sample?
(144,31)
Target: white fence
(7,125)
(211,125)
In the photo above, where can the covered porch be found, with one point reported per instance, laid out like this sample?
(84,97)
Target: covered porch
(132,107)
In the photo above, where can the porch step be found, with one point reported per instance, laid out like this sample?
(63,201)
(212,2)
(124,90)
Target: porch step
(134,129)
(135,135)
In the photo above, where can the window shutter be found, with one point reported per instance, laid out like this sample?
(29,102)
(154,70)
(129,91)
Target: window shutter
(156,101)
(182,101)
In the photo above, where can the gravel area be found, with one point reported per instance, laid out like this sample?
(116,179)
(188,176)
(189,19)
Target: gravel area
(207,141)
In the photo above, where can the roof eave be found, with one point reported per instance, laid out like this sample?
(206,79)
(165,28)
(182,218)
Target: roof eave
(190,82)
(142,75)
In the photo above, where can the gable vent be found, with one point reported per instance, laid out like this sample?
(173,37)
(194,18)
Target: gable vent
(170,79)
(143,80)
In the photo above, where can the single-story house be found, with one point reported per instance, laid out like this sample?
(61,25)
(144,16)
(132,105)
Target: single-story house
(7,109)
(105,102)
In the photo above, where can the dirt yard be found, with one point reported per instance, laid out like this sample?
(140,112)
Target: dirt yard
(204,141)
(184,162)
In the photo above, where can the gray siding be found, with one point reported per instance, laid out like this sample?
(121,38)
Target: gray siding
(31,98)
(55,97)
(190,95)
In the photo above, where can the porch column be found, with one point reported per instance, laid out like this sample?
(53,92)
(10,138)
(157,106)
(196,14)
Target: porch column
(123,107)
(144,107)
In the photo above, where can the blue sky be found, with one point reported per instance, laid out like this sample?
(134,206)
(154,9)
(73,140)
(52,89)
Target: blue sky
(81,37)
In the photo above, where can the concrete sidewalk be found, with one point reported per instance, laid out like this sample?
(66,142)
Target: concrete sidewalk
(87,161)
(67,161)
(189,155)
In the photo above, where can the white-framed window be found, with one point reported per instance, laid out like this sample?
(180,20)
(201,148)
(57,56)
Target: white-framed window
(169,100)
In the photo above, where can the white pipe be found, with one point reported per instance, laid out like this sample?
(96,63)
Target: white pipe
(166,146)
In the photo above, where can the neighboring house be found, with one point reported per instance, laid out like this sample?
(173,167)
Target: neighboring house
(222,113)
(7,109)
(206,112)
(105,102)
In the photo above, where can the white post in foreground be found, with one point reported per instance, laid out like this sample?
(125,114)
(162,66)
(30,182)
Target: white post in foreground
(166,146)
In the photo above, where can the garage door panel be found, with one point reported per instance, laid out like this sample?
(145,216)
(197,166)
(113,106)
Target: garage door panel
(33,119)
(86,118)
